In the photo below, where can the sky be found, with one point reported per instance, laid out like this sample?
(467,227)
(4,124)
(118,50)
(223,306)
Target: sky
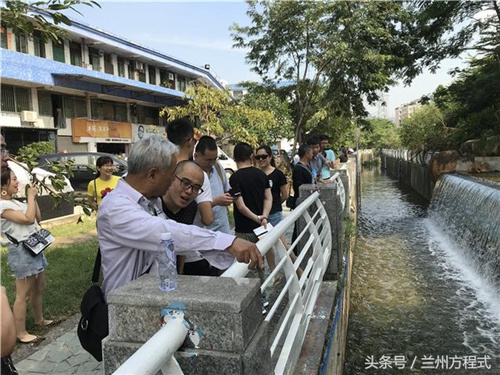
(199,33)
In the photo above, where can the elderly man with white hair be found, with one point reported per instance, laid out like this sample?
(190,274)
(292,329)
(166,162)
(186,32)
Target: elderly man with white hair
(130,221)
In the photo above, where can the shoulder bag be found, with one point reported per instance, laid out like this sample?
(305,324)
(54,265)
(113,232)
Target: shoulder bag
(93,325)
(36,243)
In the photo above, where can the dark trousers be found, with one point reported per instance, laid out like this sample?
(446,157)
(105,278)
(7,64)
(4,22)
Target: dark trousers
(201,268)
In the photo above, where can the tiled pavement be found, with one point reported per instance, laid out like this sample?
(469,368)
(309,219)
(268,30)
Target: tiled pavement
(64,355)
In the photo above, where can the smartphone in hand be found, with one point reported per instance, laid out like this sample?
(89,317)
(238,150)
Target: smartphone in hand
(234,193)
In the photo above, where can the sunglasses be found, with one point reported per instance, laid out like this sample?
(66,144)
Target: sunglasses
(261,157)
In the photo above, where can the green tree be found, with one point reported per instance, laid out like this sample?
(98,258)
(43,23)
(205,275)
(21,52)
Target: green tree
(281,126)
(380,133)
(221,117)
(15,15)
(434,30)
(339,52)
(426,130)
(471,104)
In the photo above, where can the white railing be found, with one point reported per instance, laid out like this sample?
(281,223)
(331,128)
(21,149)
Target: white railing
(158,352)
(299,294)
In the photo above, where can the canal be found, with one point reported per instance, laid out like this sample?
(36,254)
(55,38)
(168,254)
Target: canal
(419,303)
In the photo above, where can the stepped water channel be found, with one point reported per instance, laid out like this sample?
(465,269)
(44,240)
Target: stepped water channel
(426,280)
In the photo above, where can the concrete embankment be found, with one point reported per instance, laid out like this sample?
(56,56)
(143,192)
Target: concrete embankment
(420,171)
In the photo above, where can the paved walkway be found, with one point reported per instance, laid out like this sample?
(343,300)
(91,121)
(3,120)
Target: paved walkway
(60,353)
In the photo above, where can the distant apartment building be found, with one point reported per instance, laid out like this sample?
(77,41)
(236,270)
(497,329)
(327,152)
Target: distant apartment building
(93,92)
(405,111)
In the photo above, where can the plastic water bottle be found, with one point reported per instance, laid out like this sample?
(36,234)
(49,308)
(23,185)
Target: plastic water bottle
(167,263)
(314,176)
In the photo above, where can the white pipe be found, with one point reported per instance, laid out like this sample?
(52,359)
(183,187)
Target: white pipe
(241,269)
(158,350)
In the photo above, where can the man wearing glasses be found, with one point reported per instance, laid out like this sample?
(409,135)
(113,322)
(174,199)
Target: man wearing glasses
(181,132)
(179,205)
(131,219)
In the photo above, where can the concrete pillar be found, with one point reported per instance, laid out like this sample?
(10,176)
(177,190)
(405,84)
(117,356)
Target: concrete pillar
(331,202)
(158,76)
(129,115)
(101,61)
(67,54)
(34,99)
(114,61)
(30,44)
(146,72)
(89,105)
(224,313)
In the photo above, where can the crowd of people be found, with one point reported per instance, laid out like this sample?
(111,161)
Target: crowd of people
(176,185)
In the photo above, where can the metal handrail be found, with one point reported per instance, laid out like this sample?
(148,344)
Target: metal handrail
(302,295)
(302,292)
(169,338)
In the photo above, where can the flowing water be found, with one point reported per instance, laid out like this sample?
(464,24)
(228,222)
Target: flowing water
(425,294)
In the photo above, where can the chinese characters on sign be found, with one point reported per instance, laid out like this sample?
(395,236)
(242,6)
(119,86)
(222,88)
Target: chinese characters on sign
(429,362)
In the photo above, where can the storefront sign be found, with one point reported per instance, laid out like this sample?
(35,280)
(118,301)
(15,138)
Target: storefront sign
(113,132)
(140,131)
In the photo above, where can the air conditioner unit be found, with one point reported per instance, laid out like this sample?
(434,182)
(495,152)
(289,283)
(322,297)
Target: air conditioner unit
(139,65)
(171,77)
(29,116)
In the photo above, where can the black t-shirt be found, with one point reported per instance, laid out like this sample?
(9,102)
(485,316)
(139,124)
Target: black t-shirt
(252,183)
(276,180)
(184,215)
(301,174)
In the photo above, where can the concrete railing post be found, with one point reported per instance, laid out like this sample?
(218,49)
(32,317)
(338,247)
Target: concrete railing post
(227,333)
(331,202)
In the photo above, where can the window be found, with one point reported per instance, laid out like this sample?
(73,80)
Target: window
(58,52)
(152,74)
(3,31)
(182,83)
(111,111)
(148,115)
(108,64)
(45,103)
(171,80)
(39,44)
(163,78)
(142,75)
(21,43)
(15,99)
(95,59)
(75,53)
(121,67)
(74,107)
(131,70)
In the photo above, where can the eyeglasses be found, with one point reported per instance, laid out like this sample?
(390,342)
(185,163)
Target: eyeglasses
(186,184)
(261,157)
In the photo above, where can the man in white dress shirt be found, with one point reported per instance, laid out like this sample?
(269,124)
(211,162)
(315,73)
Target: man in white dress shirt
(130,221)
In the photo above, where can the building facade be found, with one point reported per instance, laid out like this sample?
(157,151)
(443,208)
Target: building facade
(93,92)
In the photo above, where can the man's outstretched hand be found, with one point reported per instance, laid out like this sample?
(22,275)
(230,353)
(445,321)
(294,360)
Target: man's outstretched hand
(246,252)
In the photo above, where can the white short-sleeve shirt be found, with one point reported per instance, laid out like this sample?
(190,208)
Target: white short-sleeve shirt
(206,196)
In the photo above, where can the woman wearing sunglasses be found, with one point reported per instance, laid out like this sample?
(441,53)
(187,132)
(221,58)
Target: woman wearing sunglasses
(277,180)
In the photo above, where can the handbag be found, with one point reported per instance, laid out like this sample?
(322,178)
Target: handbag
(36,243)
(93,325)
